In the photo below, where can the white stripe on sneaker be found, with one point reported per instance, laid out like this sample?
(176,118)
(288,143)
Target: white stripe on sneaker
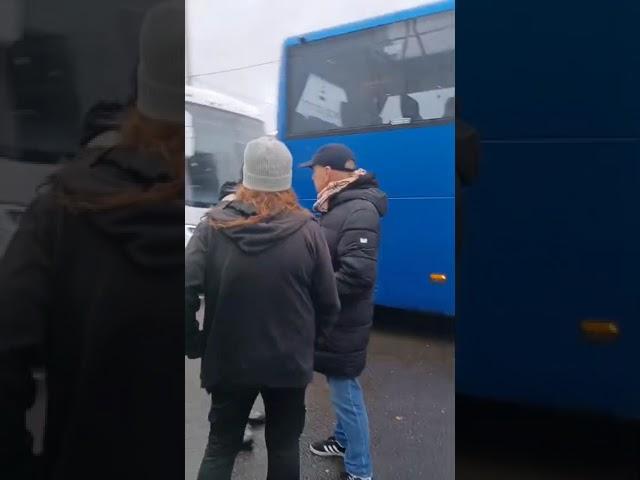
(324,452)
(327,451)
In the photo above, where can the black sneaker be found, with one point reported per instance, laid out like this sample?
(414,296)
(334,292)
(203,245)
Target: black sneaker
(348,476)
(327,448)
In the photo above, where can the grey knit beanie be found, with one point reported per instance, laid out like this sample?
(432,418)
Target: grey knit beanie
(161,67)
(267,165)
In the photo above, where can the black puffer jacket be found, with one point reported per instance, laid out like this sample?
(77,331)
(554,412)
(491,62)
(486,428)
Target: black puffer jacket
(270,293)
(352,229)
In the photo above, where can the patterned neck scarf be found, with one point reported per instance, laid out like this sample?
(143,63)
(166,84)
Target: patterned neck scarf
(328,192)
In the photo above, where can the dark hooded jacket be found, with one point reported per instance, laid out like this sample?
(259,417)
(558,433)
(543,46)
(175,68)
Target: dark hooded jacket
(270,295)
(352,229)
(95,299)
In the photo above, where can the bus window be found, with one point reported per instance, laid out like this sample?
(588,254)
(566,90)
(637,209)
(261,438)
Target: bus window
(389,75)
(219,138)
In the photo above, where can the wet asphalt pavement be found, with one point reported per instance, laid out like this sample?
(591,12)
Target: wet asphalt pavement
(409,391)
(506,442)
(408,388)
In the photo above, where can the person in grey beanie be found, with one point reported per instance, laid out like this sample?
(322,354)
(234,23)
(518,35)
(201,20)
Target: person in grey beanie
(256,417)
(270,297)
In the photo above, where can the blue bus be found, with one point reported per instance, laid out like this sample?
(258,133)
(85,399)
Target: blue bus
(548,302)
(385,88)
(548,299)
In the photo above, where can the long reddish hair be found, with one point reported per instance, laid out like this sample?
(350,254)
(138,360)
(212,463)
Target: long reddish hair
(266,204)
(146,136)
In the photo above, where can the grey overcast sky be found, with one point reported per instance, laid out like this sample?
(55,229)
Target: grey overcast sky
(232,35)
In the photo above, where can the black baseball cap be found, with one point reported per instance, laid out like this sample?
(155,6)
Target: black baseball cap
(335,156)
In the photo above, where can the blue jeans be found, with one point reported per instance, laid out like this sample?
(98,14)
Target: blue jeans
(352,427)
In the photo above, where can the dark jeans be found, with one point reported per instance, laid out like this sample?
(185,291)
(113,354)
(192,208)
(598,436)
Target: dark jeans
(285,417)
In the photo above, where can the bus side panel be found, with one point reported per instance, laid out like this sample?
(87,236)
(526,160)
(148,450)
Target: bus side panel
(415,167)
(552,239)
(553,71)
(417,239)
(551,227)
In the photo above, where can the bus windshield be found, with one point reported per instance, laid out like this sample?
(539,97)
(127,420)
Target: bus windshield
(393,74)
(219,138)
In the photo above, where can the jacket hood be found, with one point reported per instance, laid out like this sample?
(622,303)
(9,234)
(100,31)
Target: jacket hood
(365,188)
(151,235)
(256,238)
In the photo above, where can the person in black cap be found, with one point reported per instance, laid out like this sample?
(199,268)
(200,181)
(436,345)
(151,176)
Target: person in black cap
(350,204)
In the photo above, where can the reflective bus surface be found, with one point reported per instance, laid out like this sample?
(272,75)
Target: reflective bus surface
(548,300)
(385,88)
